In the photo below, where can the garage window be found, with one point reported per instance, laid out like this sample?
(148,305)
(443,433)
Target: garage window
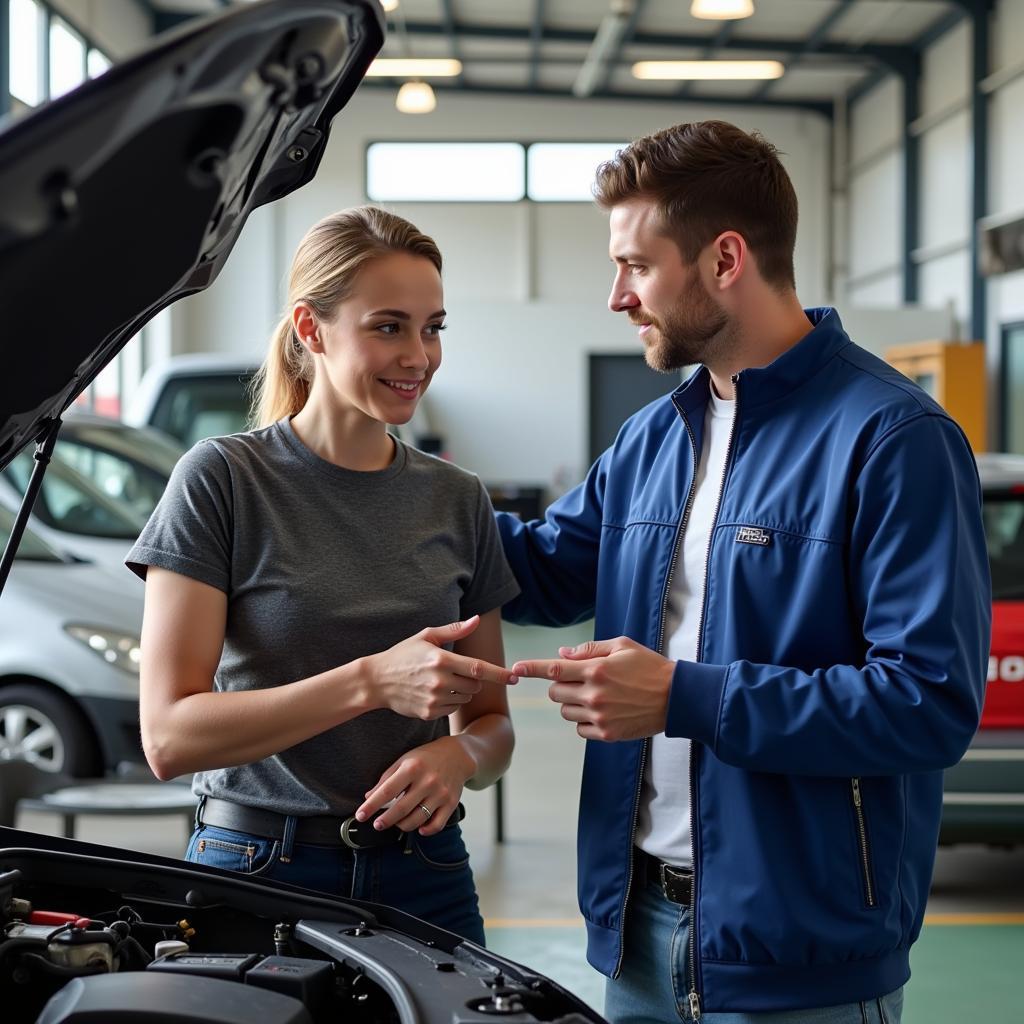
(67,58)
(26,52)
(564,171)
(491,172)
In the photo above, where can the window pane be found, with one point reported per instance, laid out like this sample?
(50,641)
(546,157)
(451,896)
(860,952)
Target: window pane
(564,171)
(97,63)
(454,171)
(67,59)
(26,35)
(1013,388)
(1004,532)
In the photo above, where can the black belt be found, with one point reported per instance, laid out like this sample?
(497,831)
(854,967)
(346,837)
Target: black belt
(675,883)
(318,830)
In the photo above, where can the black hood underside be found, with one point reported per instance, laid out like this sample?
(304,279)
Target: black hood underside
(130,192)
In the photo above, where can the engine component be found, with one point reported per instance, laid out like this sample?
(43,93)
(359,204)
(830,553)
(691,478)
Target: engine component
(310,981)
(165,998)
(227,966)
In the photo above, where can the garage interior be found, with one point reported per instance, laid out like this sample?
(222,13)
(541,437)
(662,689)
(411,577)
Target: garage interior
(901,123)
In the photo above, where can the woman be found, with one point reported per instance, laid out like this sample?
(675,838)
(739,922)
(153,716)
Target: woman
(303,583)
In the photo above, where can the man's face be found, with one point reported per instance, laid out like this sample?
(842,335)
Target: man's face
(680,323)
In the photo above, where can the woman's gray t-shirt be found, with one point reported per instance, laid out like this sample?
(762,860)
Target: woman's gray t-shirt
(323,565)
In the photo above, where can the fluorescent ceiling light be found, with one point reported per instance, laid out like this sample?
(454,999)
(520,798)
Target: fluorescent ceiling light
(693,70)
(389,5)
(414,67)
(416,98)
(721,10)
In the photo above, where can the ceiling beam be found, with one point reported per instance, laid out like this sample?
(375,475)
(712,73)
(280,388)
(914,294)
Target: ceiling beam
(722,37)
(627,35)
(450,31)
(536,35)
(822,107)
(814,40)
(884,53)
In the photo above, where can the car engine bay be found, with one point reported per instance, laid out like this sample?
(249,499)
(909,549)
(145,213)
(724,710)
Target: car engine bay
(91,934)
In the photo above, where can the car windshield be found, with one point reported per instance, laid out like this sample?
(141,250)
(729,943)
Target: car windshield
(1004,532)
(32,547)
(130,466)
(68,501)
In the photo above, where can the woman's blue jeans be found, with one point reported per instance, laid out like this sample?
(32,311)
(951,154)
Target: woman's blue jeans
(652,988)
(427,876)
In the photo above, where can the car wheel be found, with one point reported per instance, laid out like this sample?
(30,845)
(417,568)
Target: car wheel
(40,727)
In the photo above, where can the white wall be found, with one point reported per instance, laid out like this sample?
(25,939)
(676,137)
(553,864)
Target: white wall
(525,284)
(944,196)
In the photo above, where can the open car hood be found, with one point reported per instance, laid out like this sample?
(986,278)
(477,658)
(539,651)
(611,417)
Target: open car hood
(130,192)
(386,966)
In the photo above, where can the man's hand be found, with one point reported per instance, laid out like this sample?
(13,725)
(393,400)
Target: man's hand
(612,689)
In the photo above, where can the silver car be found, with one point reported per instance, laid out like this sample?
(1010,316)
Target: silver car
(69,660)
(104,481)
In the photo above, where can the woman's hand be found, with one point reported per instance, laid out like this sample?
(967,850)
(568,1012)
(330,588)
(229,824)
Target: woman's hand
(428,778)
(417,678)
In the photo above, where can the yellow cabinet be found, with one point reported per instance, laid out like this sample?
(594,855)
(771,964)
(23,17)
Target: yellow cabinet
(953,373)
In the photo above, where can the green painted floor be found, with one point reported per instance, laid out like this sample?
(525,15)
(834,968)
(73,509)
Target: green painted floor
(961,974)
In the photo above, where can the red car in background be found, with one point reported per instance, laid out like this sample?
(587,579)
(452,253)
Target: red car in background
(983,801)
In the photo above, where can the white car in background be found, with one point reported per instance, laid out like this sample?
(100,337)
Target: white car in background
(103,482)
(69,660)
(192,397)
(72,614)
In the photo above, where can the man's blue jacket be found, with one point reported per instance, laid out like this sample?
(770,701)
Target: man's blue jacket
(842,662)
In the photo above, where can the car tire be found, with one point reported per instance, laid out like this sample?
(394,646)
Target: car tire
(39,725)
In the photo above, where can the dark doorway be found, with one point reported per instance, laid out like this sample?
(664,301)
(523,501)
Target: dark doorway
(1011,405)
(619,386)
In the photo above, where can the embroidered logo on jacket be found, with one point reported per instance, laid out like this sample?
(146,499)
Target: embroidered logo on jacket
(753,535)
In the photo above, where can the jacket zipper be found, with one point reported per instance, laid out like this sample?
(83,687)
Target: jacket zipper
(862,832)
(661,640)
(694,995)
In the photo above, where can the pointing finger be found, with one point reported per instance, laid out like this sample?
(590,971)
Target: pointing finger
(564,671)
(481,671)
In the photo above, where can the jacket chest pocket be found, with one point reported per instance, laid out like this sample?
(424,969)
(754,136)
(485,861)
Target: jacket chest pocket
(776,597)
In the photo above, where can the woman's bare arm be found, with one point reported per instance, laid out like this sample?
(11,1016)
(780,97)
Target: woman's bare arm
(187,727)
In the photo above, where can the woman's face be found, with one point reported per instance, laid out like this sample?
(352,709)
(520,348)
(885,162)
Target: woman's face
(384,343)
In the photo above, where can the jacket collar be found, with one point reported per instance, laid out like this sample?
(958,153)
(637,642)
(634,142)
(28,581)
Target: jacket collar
(794,367)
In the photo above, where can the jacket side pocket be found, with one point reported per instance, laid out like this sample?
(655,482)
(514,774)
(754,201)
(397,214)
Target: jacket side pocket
(864,843)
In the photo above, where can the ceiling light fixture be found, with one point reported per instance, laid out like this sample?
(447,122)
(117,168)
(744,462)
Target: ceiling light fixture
(416,98)
(697,70)
(722,10)
(414,67)
(389,5)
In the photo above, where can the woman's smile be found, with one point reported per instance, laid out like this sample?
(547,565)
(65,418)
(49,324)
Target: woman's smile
(404,389)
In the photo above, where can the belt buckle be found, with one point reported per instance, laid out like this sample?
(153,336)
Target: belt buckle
(663,878)
(347,827)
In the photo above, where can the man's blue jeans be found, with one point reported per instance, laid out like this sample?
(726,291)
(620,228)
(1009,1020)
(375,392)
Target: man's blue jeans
(652,988)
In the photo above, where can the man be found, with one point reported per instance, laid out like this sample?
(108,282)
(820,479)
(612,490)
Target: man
(787,569)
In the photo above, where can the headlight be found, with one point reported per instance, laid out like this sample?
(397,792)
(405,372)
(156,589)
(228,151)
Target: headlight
(118,649)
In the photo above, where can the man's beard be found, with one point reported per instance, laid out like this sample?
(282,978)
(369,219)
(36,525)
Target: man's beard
(695,330)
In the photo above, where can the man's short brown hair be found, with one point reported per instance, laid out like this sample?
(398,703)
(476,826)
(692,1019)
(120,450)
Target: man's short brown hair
(707,177)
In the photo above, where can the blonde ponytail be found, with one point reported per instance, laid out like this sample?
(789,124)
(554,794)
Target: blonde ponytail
(323,275)
(281,385)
